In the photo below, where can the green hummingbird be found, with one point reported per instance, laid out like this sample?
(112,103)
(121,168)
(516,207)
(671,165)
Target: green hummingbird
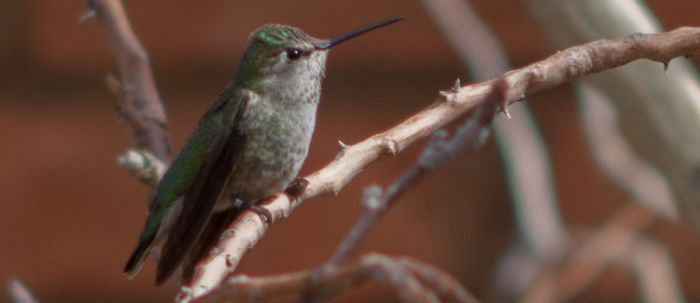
(249,145)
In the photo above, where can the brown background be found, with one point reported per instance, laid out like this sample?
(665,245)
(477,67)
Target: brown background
(70,216)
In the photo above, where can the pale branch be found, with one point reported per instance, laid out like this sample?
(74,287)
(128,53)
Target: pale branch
(413,280)
(652,266)
(617,158)
(587,260)
(19,293)
(461,26)
(561,67)
(143,165)
(446,287)
(468,137)
(139,103)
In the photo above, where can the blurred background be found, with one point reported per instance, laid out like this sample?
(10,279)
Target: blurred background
(70,216)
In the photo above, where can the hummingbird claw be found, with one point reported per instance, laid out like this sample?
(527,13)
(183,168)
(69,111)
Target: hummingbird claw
(264,214)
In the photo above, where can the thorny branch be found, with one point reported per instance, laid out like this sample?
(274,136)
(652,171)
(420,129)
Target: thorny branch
(413,280)
(149,129)
(139,103)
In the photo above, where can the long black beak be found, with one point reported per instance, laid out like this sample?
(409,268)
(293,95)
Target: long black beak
(347,36)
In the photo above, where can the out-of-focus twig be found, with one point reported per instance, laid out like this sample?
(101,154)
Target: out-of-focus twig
(616,157)
(414,281)
(653,268)
(561,67)
(648,260)
(139,103)
(587,260)
(471,39)
(19,293)
(520,143)
(144,165)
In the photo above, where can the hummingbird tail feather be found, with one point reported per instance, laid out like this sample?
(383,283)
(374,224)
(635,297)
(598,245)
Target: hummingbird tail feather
(138,256)
(210,236)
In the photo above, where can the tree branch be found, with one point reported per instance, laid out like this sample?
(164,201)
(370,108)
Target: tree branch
(413,280)
(562,67)
(588,260)
(144,165)
(139,103)
(653,268)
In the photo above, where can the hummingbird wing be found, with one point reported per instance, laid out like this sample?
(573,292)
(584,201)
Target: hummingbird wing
(206,143)
(202,196)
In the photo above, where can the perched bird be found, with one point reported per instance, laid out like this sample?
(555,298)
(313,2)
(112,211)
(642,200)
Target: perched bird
(249,145)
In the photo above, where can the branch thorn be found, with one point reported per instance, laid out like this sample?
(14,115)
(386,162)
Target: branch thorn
(456,86)
(342,145)
(505,111)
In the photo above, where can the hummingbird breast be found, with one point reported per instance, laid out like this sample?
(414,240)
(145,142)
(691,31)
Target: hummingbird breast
(277,143)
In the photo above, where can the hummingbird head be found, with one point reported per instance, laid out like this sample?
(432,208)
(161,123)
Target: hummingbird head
(280,53)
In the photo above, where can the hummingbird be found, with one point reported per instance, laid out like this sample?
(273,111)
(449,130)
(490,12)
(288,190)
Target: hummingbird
(249,145)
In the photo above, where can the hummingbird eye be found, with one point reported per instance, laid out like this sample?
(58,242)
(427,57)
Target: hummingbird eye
(294,53)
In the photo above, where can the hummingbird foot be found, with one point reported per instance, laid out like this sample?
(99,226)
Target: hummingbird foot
(264,214)
(296,188)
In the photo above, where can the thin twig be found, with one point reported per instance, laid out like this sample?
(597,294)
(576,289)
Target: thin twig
(413,280)
(144,165)
(617,158)
(139,103)
(656,278)
(555,70)
(445,286)
(588,260)
(19,293)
